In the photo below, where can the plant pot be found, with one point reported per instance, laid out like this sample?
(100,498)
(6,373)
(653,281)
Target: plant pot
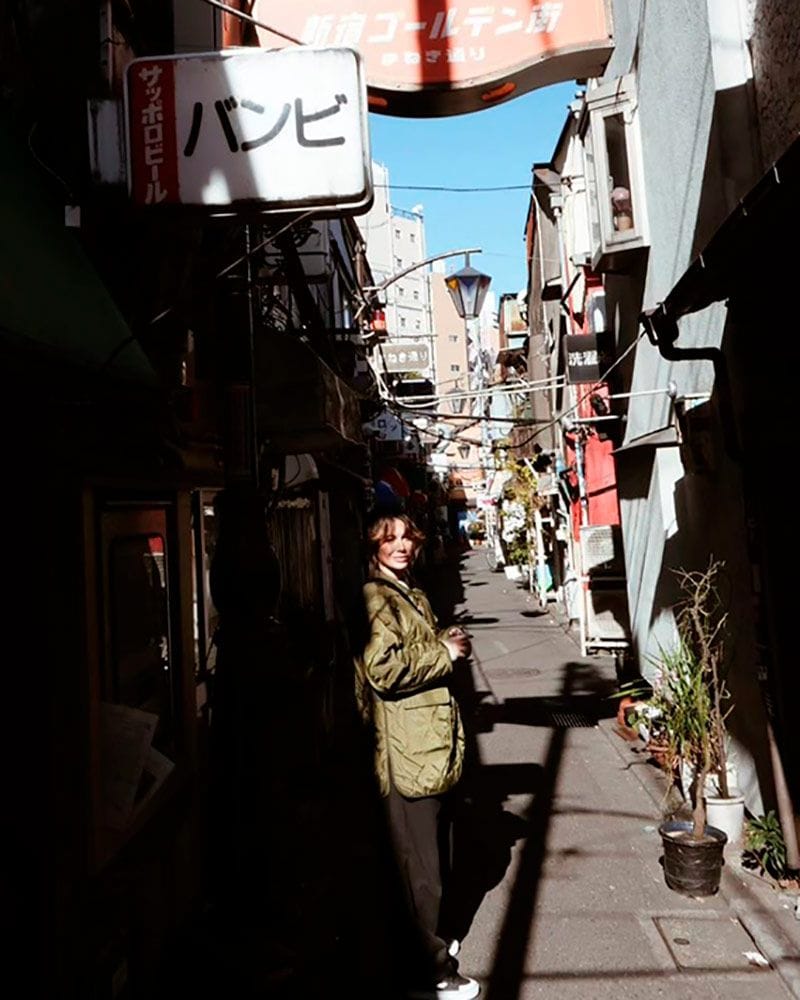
(712,781)
(622,711)
(727,814)
(692,867)
(659,751)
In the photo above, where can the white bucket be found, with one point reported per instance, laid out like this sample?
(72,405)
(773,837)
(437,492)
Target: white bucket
(726,815)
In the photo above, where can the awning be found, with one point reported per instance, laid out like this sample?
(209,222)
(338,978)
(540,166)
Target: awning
(51,297)
(717,271)
(552,290)
(664,437)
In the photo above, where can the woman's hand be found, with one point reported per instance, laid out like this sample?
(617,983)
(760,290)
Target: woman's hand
(458,644)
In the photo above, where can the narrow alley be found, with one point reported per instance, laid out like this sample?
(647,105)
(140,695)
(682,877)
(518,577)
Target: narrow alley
(557,888)
(392,400)
(557,854)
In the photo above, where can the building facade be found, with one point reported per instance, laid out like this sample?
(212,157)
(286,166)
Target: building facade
(671,180)
(395,240)
(189,469)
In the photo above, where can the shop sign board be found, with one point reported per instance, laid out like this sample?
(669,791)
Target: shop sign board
(406,357)
(587,357)
(275,131)
(429,58)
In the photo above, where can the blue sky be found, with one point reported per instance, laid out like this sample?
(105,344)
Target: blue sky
(487,148)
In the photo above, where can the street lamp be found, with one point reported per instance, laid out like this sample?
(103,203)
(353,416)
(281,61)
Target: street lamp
(457,404)
(468,288)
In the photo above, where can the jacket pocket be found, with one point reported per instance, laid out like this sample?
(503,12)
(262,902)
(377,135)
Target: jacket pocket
(423,740)
(422,699)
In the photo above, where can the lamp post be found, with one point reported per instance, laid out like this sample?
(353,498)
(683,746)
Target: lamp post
(468,288)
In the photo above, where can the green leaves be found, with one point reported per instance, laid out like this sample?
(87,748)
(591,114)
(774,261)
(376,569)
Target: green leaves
(765,849)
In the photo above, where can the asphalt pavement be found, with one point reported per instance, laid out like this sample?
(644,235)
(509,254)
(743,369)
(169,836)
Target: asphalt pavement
(558,888)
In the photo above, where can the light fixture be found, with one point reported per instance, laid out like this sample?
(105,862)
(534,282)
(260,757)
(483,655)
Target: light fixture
(457,404)
(463,450)
(468,288)
(499,92)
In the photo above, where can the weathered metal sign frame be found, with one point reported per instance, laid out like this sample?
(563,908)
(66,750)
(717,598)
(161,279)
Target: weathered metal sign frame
(429,58)
(273,131)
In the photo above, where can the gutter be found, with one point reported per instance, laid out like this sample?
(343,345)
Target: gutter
(662,331)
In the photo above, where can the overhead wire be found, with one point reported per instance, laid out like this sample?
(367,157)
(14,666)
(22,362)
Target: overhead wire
(398,187)
(252,20)
(589,392)
(498,389)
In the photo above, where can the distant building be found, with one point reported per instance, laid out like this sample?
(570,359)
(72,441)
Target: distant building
(395,241)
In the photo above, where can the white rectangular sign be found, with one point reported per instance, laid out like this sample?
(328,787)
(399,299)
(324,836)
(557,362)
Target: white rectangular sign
(274,130)
(406,357)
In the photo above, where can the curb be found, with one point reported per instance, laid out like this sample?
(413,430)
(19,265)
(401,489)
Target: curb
(752,905)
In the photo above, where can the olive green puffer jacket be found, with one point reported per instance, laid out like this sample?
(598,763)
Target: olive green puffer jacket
(402,687)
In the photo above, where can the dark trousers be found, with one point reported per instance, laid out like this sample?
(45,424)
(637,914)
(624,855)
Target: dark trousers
(417,838)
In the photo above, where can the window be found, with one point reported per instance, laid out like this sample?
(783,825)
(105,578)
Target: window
(139,665)
(401,290)
(402,321)
(455,368)
(139,714)
(612,154)
(138,668)
(416,295)
(417,324)
(397,234)
(453,338)
(412,237)
(206,616)
(398,262)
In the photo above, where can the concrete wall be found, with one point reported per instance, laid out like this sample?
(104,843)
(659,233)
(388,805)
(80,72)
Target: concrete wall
(697,109)
(775,46)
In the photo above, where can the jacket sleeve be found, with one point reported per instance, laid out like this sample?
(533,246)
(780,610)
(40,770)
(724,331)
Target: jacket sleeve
(394,663)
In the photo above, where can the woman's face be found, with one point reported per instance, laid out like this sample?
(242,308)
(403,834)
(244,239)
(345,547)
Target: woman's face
(396,551)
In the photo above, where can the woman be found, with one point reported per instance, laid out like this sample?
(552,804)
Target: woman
(402,683)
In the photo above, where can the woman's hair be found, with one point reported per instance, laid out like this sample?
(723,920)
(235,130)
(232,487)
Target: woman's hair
(381,525)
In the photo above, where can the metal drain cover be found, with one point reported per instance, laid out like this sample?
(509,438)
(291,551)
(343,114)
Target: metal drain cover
(571,720)
(710,943)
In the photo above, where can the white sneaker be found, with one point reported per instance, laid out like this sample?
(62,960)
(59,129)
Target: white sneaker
(453,948)
(454,987)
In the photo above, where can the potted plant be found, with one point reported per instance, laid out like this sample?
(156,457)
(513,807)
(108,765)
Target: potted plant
(703,622)
(476,533)
(690,698)
(520,500)
(514,536)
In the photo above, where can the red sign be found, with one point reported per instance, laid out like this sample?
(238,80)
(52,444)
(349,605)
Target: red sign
(430,58)
(151,125)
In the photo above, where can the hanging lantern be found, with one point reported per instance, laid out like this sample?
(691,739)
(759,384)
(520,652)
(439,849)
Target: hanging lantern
(468,288)
(378,324)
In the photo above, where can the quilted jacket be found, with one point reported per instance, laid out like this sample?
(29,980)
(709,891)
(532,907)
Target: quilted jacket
(402,687)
